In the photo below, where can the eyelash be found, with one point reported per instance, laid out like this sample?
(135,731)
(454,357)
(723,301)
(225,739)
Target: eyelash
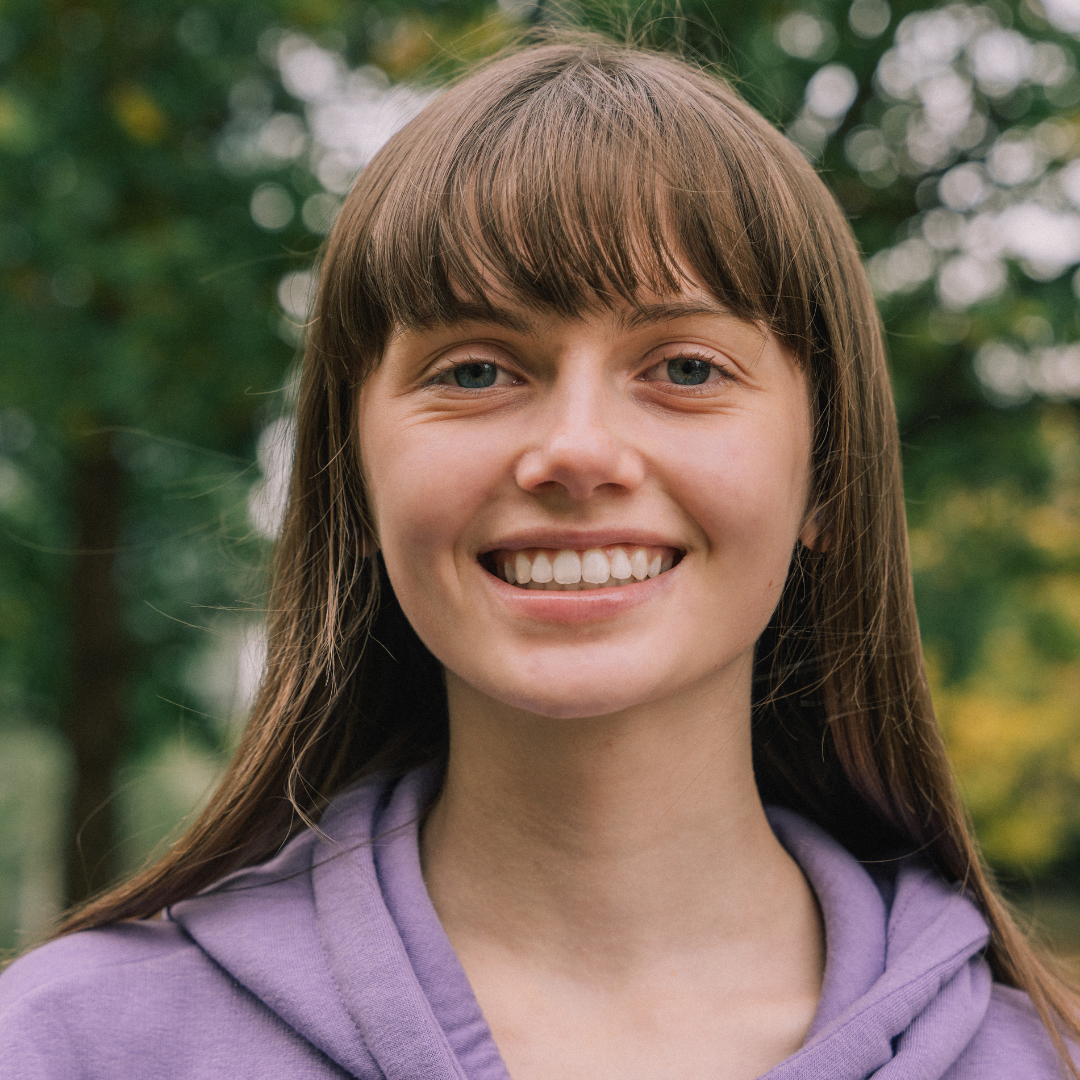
(440,376)
(725,373)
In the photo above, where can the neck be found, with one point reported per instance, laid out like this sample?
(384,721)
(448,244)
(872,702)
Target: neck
(625,839)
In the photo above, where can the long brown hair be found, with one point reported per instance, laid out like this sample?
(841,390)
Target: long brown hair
(574,174)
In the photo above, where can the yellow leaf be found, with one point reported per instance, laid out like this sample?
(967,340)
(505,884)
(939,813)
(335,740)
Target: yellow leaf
(138,114)
(405,48)
(16,126)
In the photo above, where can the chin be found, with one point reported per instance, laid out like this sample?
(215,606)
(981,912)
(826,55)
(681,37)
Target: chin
(575,699)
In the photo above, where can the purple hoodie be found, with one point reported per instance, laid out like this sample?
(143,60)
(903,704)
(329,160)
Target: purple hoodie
(329,961)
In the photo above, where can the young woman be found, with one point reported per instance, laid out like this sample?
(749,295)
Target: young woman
(595,740)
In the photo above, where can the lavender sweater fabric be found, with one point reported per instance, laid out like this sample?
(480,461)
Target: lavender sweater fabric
(329,961)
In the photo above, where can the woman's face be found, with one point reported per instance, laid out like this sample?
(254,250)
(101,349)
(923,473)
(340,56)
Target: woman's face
(562,452)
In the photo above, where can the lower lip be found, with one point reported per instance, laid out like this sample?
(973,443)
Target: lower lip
(586,605)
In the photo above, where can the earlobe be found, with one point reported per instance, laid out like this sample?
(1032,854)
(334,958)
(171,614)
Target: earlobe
(369,539)
(369,545)
(816,534)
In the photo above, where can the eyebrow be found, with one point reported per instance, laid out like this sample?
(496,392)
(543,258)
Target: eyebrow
(485,313)
(639,316)
(648,314)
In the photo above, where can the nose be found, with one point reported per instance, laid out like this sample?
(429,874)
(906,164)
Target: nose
(577,445)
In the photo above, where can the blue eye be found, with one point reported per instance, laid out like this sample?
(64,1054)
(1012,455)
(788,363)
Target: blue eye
(475,376)
(685,371)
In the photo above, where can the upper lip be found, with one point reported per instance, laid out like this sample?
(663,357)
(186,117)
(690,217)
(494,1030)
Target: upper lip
(580,540)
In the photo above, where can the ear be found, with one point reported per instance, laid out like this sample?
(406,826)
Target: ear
(369,544)
(369,536)
(816,533)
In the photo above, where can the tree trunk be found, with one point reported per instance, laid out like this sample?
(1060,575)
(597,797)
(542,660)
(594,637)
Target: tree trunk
(100,661)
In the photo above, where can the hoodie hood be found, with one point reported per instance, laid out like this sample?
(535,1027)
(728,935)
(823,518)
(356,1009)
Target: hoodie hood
(337,936)
(906,986)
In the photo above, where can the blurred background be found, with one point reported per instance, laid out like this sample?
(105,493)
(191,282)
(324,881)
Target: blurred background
(167,173)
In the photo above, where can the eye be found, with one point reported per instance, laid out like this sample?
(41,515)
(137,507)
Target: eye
(688,370)
(474,375)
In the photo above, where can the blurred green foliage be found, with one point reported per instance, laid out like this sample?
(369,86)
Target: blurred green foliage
(141,324)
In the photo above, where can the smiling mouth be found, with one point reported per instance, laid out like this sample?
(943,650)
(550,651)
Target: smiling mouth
(567,570)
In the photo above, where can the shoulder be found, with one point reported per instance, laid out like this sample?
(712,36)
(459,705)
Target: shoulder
(102,977)
(123,954)
(133,999)
(56,1000)
(1011,1041)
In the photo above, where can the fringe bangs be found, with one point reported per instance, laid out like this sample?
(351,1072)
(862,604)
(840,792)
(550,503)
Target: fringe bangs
(598,188)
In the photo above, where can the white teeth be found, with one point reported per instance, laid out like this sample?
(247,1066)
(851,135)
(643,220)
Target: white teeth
(567,567)
(592,569)
(523,568)
(595,567)
(541,568)
(620,564)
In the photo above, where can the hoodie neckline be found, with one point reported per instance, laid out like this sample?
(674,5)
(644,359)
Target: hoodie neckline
(338,936)
(434,961)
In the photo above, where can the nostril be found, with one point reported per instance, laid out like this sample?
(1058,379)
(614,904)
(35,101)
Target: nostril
(580,466)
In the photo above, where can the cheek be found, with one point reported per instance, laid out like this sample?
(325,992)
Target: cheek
(748,488)
(426,486)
